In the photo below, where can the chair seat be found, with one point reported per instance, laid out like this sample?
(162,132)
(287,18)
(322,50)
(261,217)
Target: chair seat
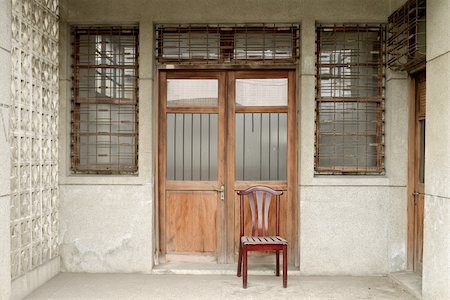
(263,240)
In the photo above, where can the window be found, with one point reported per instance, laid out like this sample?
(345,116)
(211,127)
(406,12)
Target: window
(406,44)
(350,99)
(105,100)
(227,43)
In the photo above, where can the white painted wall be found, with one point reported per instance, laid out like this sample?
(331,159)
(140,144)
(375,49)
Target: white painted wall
(436,259)
(5,160)
(348,225)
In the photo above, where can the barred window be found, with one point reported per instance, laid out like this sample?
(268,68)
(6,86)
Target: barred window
(406,44)
(263,44)
(104,111)
(350,99)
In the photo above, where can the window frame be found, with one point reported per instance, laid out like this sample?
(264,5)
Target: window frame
(119,70)
(378,168)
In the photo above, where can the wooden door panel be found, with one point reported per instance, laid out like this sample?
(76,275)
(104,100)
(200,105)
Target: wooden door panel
(191,221)
(419,233)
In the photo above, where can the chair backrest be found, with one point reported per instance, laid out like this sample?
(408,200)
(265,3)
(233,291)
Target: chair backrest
(260,209)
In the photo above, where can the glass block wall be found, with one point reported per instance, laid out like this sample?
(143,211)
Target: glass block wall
(34,132)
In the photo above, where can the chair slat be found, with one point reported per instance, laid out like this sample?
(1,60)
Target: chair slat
(260,201)
(253,210)
(266,212)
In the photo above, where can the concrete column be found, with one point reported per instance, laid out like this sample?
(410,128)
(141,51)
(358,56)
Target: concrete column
(5,101)
(436,267)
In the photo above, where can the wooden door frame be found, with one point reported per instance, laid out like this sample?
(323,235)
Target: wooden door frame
(292,171)
(227,248)
(163,75)
(412,168)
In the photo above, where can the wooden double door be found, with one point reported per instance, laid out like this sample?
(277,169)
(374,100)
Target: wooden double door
(219,132)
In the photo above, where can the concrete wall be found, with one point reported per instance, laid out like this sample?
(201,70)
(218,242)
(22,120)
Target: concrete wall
(5,160)
(436,260)
(107,221)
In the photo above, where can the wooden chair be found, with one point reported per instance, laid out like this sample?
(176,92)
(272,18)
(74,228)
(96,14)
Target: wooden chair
(260,240)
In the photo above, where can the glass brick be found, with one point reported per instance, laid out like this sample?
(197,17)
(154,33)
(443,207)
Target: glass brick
(25,177)
(25,205)
(25,234)
(37,204)
(25,265)
(36,254)
(15,264)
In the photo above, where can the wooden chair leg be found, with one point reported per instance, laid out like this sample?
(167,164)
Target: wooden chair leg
(239,268)
(244,276)
(277,270)
(285,266)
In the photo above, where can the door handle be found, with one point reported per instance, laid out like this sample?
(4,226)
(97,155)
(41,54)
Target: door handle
(222,192)
(415,195)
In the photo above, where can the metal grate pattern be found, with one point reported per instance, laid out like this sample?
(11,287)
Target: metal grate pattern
(406,44)
(34,135)
(192,145)
(105,100)
(350,99)
(227,43)
(261,146)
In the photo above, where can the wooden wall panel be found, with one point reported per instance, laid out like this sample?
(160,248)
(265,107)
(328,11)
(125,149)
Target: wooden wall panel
(191,221)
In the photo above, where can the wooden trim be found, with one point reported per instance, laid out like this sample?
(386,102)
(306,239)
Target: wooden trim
(194,74)
(176,185)
(276,185)
(230,67)
(292,172)
(262,109)
(411,171)
(221,220)
(199,110)
(155,158)
(161,163)
(230,171)
(263,74)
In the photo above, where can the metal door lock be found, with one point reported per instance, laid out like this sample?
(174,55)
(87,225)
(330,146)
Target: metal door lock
(222,192)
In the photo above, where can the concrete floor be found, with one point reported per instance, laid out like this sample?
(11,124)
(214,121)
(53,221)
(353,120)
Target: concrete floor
(139,286)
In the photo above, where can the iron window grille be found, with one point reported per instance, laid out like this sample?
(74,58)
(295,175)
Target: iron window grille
(349,136)
(406,44)
(104,136)
(263,44)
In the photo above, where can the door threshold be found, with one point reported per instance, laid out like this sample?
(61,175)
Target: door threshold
(194,268)
(410,281)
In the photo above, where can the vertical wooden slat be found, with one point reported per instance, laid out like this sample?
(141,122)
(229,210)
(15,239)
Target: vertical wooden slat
(293,201)
(162,162)
(221,206)
(230,171)
(411,172)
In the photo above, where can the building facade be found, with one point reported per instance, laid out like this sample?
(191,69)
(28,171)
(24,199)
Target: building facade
(62,210)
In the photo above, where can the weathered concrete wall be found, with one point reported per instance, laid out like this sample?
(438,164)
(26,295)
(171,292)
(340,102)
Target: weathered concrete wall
(5,159)
(436,260)
(113,229)
(379,199)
